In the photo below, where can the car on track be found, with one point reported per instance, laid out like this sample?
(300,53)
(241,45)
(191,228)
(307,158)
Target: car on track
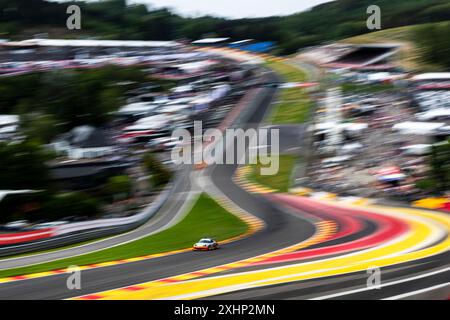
(206,244)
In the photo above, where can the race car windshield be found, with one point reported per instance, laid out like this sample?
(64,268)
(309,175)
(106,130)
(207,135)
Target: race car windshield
(205,241)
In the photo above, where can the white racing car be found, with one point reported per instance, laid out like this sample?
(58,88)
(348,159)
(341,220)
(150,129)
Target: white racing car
(206,244)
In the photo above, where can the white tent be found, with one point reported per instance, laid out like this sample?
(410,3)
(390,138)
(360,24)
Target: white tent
(9,129)
(4,193)
(336,159)
(7,120)
(432,76)
(210,40)
(324,126)
(378,76)
(196,66)
(350,147)
(183,100)
(418,128)
(149,123)
(241,41)
(417,149)
(354,126)
(341,126)
(175,108)
(153,119)
(136,108)
(432,114)
(182,89)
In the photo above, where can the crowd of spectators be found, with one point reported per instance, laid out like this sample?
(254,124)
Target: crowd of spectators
(369,157)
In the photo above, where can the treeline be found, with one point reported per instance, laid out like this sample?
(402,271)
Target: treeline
(114,19)
(25,167)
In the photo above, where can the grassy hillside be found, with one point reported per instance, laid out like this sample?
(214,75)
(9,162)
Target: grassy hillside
(293,104)
(279,181)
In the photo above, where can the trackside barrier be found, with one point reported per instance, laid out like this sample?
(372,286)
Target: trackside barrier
(12,238)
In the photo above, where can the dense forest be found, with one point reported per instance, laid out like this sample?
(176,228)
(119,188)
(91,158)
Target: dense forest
(114,19)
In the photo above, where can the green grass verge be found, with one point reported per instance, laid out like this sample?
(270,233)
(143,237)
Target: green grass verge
(288,72)
(293,104)
(206,218)
(279,181)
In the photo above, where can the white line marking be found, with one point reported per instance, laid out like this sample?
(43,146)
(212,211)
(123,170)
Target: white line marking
(339,294)
(412,293)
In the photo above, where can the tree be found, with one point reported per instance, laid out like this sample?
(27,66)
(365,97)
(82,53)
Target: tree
(70,204)
(118,185)
(41,127)
(440,165)
(24,166)
(435,43)
(160,175)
